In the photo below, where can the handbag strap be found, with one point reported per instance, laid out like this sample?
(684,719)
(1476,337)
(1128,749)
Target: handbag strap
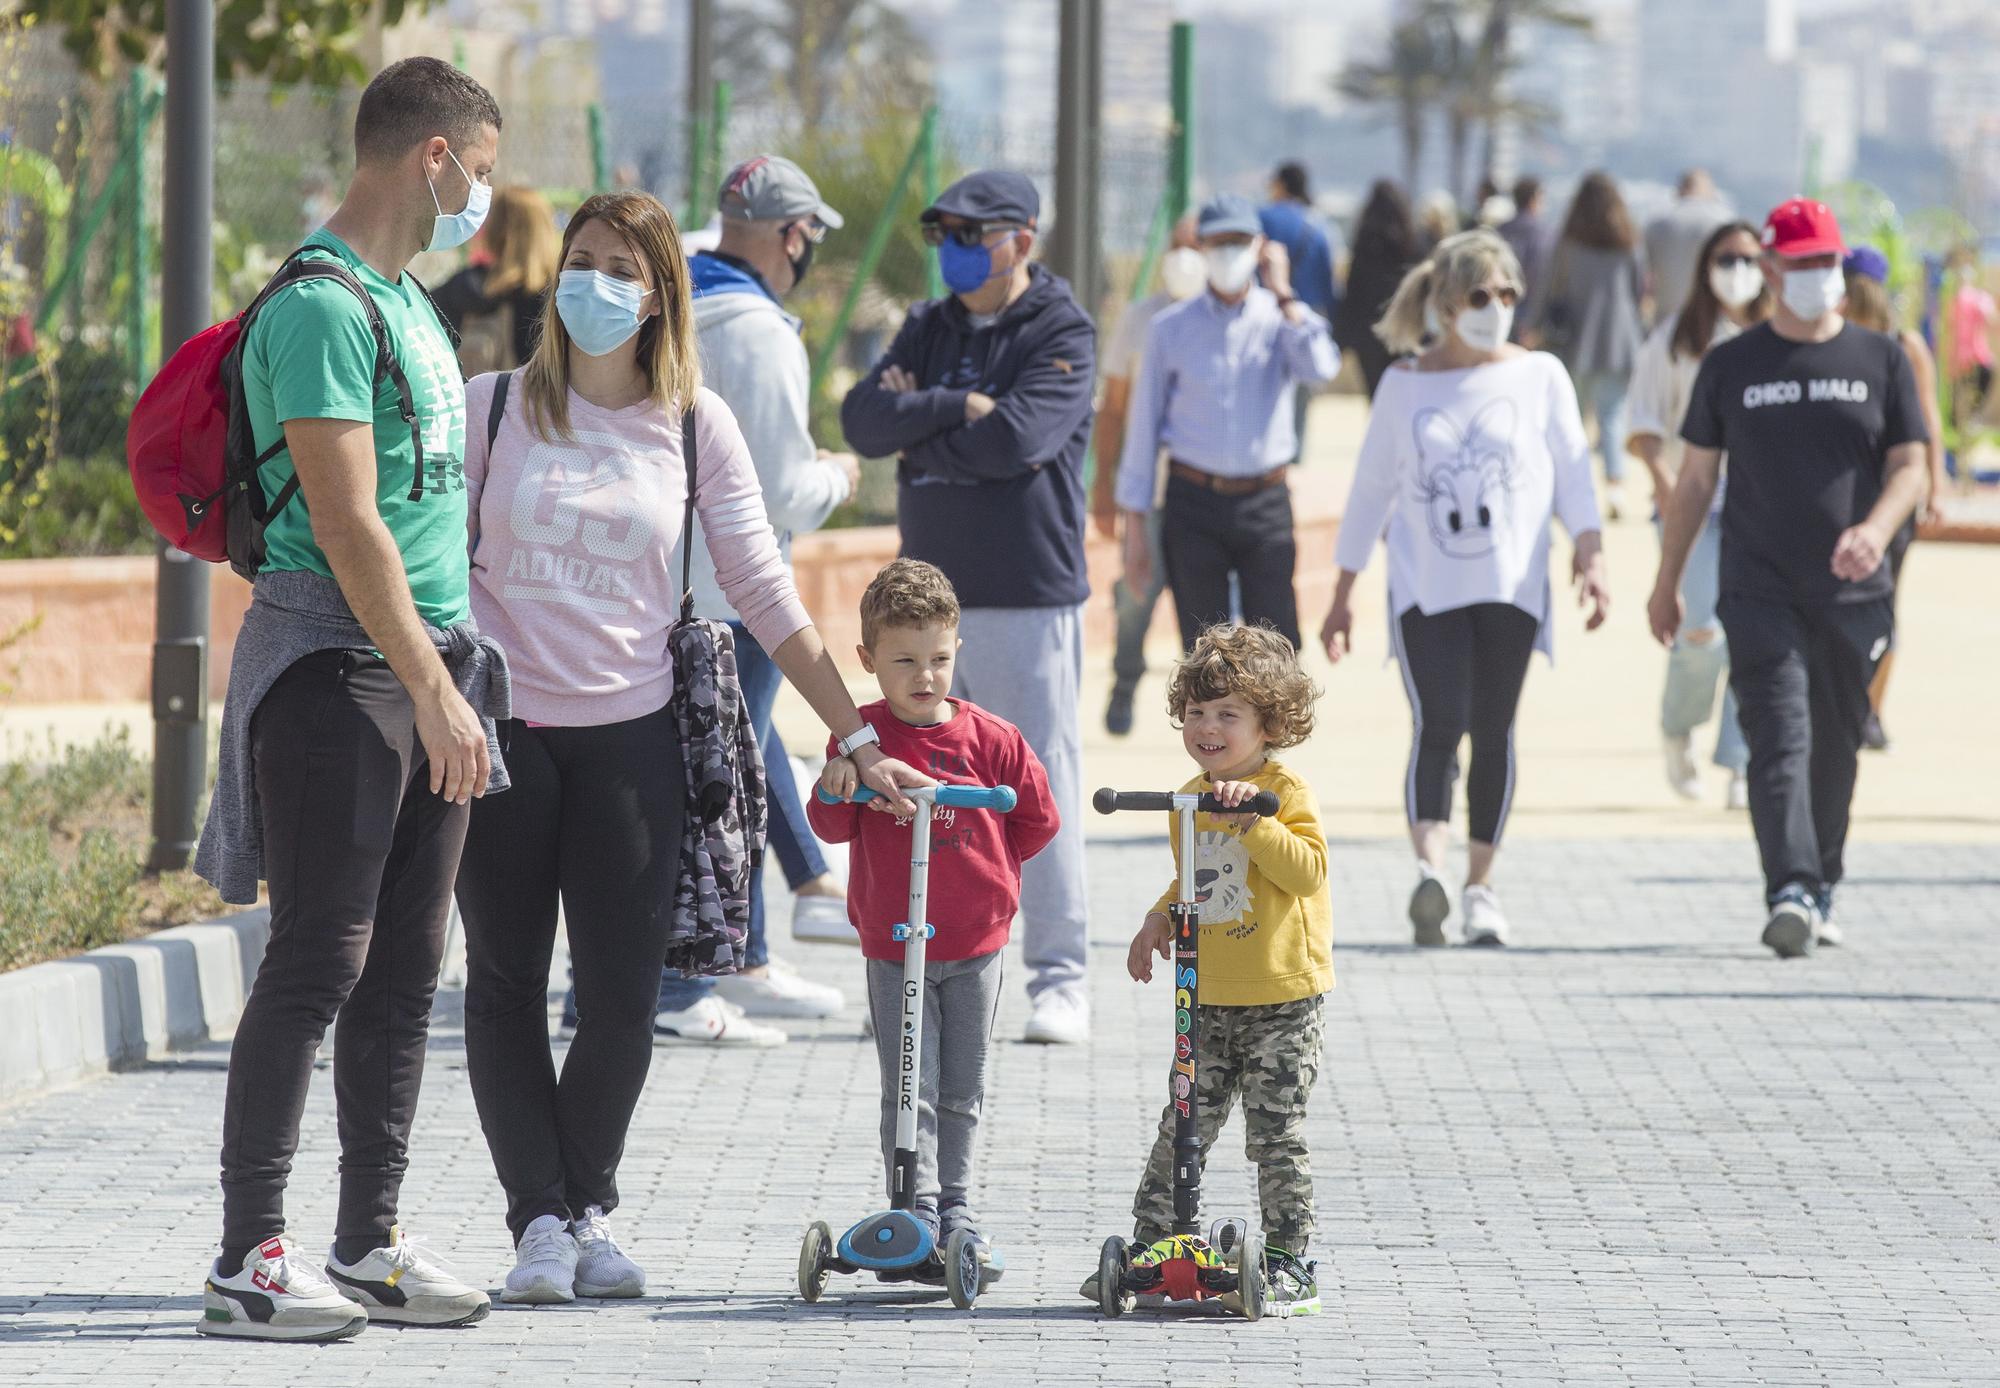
(687,520)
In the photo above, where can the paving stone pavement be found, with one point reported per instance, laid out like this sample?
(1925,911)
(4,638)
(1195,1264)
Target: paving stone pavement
(1633,1149)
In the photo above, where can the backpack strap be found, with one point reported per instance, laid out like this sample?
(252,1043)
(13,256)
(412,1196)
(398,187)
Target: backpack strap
(444,322)
(498,410)
(687,520)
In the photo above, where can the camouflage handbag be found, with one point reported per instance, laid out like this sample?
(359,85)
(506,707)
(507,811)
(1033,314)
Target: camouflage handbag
(722,831)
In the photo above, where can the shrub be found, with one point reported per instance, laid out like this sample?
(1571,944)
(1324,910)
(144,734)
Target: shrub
(73,835)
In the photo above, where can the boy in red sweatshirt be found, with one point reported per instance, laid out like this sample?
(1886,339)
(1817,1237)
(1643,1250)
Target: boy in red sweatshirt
(909,634)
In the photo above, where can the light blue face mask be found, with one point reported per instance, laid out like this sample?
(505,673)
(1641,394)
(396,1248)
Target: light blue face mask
(598,311)
(456,228)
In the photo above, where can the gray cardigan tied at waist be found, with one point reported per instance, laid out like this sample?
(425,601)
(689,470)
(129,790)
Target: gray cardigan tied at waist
(293,614)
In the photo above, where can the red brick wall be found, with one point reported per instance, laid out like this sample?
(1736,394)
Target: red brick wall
(94,640)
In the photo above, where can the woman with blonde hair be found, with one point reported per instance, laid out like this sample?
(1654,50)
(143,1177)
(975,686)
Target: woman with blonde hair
(1869,306)
(1471,447)
(576,471)
(496,303)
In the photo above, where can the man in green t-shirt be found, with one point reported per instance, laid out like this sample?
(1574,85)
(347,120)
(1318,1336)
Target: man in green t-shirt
(365,756)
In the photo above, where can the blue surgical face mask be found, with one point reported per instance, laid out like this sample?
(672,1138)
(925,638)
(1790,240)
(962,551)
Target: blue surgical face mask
(964,268)
(456,228)
(598,311)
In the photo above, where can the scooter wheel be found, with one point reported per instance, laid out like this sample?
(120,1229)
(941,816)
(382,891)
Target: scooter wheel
(1111,1277)
(1250,1284)
(962,1267)
(813,1255)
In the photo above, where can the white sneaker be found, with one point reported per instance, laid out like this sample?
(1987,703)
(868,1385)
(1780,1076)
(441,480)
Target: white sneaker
(1059,1017)
(1482,921)
(823,919)
(1430,908)
(1738,797)
(277,1296)
(602,1269)
(544,1265)
(714,1021)
(780,992)
(1682,774)
(400,1285)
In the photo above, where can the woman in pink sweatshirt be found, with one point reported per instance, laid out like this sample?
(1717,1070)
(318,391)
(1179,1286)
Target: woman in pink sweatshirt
(575,511)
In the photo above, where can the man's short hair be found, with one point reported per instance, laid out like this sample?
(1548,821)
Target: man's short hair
(1526,189)
(412,100)
(907,593)
(1291,176)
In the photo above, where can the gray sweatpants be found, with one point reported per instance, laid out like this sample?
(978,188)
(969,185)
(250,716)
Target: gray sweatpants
(1025,664)
(961,997)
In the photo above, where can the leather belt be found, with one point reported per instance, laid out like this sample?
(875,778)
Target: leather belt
(1227,486)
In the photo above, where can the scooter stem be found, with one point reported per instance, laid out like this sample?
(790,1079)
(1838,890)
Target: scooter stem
(1184,914)
(916,943)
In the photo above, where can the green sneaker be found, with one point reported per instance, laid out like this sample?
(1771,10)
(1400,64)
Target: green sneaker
(1292,1285)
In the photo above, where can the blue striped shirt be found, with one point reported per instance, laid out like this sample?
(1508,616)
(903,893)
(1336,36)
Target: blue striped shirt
(1215,389)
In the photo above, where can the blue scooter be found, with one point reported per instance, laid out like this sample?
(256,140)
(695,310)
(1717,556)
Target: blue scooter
(895,1244)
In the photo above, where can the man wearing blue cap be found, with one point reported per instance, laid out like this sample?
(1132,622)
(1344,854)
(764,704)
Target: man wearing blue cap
(985,399)
(1215,389)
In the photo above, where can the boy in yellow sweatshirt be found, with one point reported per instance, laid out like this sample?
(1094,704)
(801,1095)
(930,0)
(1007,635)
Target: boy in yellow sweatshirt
(1266,933)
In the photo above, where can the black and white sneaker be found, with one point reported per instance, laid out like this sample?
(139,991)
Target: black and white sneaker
(399,1285)
(1794,921)
(275,1296)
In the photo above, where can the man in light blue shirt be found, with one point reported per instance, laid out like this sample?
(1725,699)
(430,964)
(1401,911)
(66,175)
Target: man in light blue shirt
(1215,390)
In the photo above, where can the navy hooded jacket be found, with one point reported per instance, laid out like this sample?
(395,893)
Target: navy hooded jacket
(997,503)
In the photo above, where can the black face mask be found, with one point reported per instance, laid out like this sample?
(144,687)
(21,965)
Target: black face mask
(802,262)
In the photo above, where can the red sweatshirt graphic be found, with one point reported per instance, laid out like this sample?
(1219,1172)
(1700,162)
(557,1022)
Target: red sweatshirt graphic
(976,855)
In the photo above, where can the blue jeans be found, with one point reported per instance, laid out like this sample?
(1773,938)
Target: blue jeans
(760,679)
(1603,393)
(1693,669)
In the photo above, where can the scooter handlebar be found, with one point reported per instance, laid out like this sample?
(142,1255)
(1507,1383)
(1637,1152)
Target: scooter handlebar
(999,799)
(1108,801)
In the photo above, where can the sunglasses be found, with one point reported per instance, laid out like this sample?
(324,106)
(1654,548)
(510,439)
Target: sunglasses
(1480,298)
(1733,261)
(966,233)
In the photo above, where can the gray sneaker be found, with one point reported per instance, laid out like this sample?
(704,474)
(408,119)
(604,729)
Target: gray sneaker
(602,1269)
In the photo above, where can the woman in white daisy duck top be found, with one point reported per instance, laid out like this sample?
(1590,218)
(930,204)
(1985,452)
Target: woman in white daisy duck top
(1472,446)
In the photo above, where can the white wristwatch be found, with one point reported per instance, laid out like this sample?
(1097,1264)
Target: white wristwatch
(866,734)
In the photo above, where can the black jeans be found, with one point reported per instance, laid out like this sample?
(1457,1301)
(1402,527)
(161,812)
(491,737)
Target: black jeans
(360,857)
(1463,672)
(1801,678)
(593,820)
(1205,537)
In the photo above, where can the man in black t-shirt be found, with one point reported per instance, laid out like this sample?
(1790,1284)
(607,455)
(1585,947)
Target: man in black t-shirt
(1825,436)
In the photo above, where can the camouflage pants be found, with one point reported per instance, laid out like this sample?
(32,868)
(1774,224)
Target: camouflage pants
(1270,1056)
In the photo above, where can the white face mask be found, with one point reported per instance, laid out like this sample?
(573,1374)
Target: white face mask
(1484,329)
(1736,285)
(1183,271)
(1231,268)
(1812,294)
(450,229)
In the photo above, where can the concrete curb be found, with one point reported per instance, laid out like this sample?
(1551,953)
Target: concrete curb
(127,1003)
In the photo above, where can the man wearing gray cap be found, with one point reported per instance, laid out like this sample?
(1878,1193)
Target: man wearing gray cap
(752,356)
(1215,390)
(985,398)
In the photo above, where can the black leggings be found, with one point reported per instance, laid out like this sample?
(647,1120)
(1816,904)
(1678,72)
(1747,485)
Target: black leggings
(1463,671)
(593,818)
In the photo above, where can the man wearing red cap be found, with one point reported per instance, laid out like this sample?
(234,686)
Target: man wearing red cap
(1825,436)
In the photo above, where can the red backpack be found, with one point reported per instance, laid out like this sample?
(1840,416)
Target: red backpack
(190,445)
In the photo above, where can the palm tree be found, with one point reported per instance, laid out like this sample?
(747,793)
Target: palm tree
(1493,61)
(1418,68)
(808,53)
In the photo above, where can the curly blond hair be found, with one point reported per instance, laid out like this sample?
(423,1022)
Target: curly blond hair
(1254,664)
(907,593)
